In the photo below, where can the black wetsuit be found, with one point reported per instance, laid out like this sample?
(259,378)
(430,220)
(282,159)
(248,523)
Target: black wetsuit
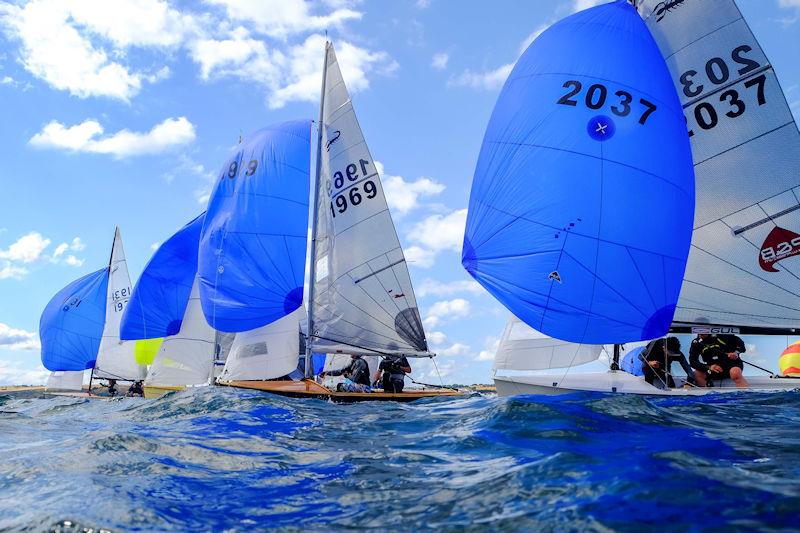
(357,371)
(393,375)
(713,350)
(136,389)
(655,352)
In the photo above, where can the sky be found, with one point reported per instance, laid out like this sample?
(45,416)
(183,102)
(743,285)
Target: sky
(120,113)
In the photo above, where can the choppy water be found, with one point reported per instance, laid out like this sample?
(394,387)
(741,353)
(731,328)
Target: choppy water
(216,459)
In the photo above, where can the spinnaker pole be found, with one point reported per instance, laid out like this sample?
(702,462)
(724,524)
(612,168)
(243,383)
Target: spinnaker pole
(315,219)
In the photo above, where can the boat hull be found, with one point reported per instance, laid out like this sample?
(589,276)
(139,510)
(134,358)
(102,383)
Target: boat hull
(624,383)
(157,391)
(312,389)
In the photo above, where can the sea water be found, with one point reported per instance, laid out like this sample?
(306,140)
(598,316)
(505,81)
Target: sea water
(226,459)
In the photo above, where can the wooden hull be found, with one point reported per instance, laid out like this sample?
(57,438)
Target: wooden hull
(623,383)
(157,391)
(312,389)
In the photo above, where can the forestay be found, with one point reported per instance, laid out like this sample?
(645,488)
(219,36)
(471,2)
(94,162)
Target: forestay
(70,380)
(115,358)
(269,352)
(742,269)
(186,358)
(581,206)
(159,298)
(524,348)
(253,243)
(363,300)
(71,325)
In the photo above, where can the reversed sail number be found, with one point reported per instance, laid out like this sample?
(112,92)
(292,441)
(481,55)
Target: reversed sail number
(597,96)
(341,200)
(719,73)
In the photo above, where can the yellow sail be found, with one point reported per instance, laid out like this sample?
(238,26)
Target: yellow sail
(146,349)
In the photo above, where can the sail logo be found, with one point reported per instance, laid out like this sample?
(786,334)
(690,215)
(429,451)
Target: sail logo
(715,330)
(333,139)
(662,8)
(779,244)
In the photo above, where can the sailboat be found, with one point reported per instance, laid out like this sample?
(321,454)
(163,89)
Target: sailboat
(165,310)
(745,149)
(79,327)
(360,298)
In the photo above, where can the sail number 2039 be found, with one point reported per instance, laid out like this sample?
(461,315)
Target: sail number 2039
(349,187)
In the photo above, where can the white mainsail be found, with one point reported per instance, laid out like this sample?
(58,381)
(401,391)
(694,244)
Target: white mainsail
(524,348)
(268,352)
(115,358)
(66,380)
(746,149)
(186,358)
(363,300)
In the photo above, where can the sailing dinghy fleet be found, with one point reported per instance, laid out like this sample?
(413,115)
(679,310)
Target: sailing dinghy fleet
(597,220)
(622,192)
(222,300)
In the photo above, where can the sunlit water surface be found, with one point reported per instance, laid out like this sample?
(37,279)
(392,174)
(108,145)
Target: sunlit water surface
(219,458)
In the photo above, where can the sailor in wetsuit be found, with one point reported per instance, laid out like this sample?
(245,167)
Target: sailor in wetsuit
(394,370)
(357,371)
(659,356)
(716,357)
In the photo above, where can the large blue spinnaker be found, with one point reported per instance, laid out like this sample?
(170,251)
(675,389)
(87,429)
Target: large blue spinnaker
(72,324)
(159,298)
(580,215)
(253,244)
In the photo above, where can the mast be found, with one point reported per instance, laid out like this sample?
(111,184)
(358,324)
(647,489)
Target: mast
(615,362)
(315,218)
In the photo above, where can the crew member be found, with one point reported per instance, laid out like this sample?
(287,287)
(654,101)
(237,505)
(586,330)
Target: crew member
(659,356)
(357,371)
(136,389)
(394,369)
(716,357)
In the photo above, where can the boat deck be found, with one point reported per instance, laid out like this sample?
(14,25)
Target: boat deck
(312,389)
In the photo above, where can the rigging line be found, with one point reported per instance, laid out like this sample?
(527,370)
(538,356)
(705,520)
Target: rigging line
(441,381)
(376,272)
(390,327)
(704,36)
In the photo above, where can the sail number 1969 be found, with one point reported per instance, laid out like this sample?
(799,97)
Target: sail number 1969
(347,186)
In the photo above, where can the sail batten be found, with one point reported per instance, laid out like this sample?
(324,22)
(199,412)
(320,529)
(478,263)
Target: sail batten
(362,299)
(742,269)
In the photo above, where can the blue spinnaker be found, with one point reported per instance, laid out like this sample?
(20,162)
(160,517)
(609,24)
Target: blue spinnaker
(253,244)
(72,324)
(580,215)
(161,294)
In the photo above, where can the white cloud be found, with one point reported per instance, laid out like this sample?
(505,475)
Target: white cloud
(436,338)
(438,288)
(155,245)
(403,196)
(71,260)
(26,249)
(440,232)
(88,137)
(239,56)
(13,374)
(491,345)
(17,339)
(423,4)
(488,80)
(580,5)
(789,3)
(11,271)
(60,249)
(454,349)
(439,61)
(446,309)
(419,257)
(77,245)
(304,70)
(281,18)
(57,41)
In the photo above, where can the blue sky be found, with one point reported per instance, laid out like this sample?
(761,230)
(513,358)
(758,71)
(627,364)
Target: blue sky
(120,113)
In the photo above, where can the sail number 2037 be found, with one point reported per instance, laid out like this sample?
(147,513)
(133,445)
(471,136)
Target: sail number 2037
(349,187)
(597,96)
